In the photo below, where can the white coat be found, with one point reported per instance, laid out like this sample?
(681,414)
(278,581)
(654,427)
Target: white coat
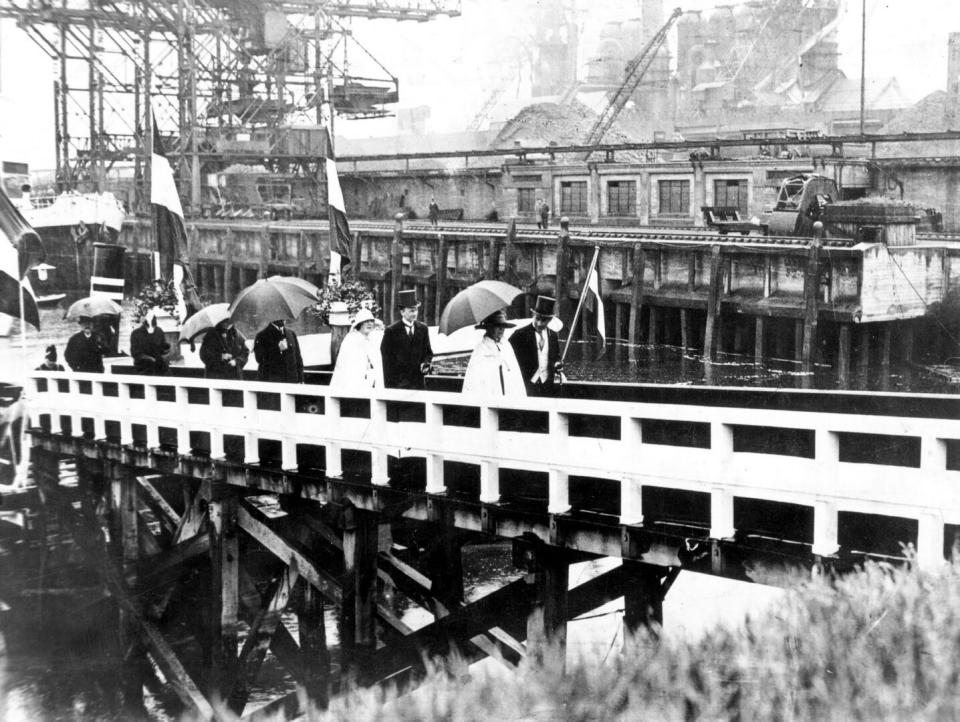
(483,375)
(359,364)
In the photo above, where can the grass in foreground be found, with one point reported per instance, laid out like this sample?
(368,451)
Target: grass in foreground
(882,644)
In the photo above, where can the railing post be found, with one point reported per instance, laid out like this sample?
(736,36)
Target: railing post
(379,475)
(183,431)
(631,501)
(334,463)
(99,420)
(126,424)
(489,469)
(436,484)
(933,454)
(930,541)
(558,501)
(216,436)
(825,542)
(251,449)
(721,514)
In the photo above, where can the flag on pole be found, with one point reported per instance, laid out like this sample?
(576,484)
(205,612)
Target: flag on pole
(16,238)
(337,213)
(595,302)
(169,227)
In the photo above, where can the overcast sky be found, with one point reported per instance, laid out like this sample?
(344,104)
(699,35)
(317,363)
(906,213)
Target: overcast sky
(447,63)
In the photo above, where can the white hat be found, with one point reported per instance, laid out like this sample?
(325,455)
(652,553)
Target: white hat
(362,315)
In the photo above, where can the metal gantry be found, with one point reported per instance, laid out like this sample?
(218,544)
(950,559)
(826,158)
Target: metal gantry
(224,80)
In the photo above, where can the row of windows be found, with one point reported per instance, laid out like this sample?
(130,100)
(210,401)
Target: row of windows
(674,197)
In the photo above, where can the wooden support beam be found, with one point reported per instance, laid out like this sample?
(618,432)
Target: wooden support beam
(563,273)
(192,520)
(886,335)
(360,549)
(313,647)
(547,623)
(811,303)
(653,327)
(169,519)
(274,543)
(863,358)
(167,565)
(258,640)
(636,297)
(223,623)
(441,267)
(396,264)
(714,294)
(759,339)
(643,594)
(843,356)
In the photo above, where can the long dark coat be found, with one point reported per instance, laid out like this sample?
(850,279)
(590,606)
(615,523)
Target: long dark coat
(524,344)
(84,354)
(147,347)
(274,365)
(402,355)
(214,346)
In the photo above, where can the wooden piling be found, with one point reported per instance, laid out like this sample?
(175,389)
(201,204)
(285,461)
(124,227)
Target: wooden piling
(441,266)
(653,326)
(357,632)
(563,272)
(811,300)
(863,359)
(686,330)
(224,597)
(396,264)
(714,292)
(547,623)
(886,334)
(843,356)
(644,588)
(636,297)
(759,339)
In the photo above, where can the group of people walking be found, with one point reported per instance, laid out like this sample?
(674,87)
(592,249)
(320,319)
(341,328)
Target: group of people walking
(399,356)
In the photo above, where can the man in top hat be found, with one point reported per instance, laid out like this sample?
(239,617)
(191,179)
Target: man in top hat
(537,349)
(406,347)
(84,351)
(278,354)
(493,369)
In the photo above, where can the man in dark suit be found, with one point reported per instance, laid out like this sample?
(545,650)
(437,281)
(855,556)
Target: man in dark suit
(406,347)
(537,349)
(149,347)
(224,351)
(84,352)
(278,354)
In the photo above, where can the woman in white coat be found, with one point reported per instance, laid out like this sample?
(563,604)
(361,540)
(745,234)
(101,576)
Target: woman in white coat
(493,369)
(359,364)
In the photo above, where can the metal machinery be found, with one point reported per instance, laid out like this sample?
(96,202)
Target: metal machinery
(232,79)
(633,74)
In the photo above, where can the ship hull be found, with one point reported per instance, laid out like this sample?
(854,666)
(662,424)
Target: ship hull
(72,259)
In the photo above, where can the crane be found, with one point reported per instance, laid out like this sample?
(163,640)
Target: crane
(635,70)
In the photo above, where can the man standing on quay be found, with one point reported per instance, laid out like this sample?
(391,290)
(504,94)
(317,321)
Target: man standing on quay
(406,347)
(537,349)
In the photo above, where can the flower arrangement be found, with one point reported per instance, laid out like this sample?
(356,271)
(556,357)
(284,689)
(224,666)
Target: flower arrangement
(354,293)
(157,294)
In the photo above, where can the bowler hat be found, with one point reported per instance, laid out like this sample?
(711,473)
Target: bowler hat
(494,320)
(407,299)
(544,306)
(362,315)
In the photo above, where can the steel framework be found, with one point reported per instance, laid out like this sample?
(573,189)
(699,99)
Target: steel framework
(229,78)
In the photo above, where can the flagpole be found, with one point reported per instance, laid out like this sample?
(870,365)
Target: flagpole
(583,295)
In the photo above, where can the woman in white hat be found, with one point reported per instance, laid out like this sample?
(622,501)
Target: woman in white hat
(359,364)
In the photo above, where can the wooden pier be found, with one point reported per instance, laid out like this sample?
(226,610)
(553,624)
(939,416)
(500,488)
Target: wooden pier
(843,302)
(213,507)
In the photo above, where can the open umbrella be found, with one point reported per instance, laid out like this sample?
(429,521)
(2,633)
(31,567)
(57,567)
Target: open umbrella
(272,299)
(475,303)
(92,306)
(203,320)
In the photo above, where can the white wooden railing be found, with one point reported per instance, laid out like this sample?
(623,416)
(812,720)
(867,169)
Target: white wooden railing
(929,494)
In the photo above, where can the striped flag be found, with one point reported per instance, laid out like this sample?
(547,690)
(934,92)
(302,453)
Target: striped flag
(18,241)
(595,302)
(337,213)
(169,227)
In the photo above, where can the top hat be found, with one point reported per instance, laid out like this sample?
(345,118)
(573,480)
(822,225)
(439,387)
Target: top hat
(544,306)
(362,316)
(51,353)
(494,320)
(407,299)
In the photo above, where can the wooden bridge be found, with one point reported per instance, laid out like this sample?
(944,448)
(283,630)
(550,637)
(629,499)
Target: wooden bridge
(719,481)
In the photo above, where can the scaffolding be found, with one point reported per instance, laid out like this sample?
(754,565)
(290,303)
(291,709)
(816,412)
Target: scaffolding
(229,82)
